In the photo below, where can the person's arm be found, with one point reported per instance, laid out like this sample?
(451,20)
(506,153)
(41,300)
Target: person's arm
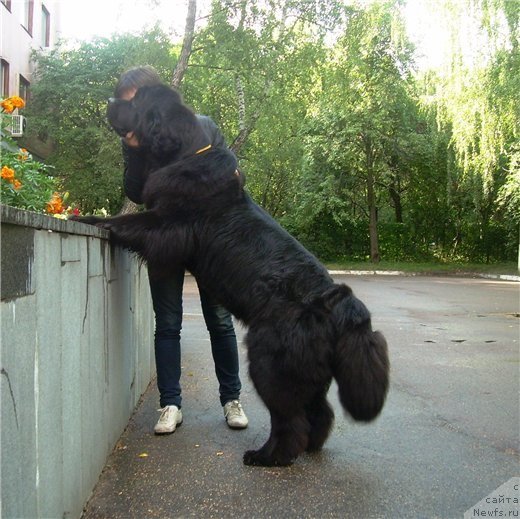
(217,140)
(213,131)
(134,176)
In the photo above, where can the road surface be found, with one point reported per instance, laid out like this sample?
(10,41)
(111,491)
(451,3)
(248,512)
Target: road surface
(447,437)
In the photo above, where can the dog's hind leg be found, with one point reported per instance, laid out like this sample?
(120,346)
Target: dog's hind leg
(288,439)
(320,416)
(282,393)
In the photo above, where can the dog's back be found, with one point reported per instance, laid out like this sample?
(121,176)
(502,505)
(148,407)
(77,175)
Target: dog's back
(252,265)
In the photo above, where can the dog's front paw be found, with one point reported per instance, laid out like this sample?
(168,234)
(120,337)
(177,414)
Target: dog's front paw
(106,225)
(90,220)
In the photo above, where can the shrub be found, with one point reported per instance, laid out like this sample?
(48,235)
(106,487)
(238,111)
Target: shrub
(26,183)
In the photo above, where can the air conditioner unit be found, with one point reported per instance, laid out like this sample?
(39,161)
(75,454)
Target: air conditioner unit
(17,126)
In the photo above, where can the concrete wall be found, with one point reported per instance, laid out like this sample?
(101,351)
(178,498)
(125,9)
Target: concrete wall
(76,355)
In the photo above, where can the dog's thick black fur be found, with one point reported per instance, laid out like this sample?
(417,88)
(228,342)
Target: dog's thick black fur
(303,329)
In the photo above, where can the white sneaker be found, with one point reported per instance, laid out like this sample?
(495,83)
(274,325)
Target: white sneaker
(171,417)
(235,416)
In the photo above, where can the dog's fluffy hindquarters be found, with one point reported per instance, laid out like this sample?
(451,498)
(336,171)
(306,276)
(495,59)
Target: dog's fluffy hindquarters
(303,329)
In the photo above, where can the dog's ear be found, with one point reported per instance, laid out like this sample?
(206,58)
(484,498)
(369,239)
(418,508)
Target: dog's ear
(121,116)
(160,134)
(152,123)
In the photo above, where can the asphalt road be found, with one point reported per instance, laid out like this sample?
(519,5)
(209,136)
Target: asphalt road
(447,437)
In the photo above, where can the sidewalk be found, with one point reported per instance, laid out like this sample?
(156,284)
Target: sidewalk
(411,462)
(500,277)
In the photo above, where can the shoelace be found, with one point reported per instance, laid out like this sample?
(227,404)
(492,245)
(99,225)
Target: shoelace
(235,409)
(164,414)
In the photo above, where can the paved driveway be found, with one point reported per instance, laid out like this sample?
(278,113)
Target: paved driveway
(448,435)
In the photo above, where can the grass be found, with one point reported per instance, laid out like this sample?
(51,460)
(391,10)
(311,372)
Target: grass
(509,268)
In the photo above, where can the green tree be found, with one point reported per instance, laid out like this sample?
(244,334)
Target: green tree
(363,118)
(68,106)
(252,70)
(476,101)
(337,137)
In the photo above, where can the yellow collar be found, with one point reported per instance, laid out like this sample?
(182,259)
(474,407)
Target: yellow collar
(203,149)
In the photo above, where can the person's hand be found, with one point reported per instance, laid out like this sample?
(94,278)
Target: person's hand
(131,140)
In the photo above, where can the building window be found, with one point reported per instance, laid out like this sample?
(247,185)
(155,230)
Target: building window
(28,15)
(24,89)
(4,79)
(46,27)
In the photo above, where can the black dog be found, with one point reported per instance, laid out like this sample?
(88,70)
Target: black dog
(303,328)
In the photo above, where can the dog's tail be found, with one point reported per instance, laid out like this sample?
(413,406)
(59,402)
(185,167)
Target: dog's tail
(360,362)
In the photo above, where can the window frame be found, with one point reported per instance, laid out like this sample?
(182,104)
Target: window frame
(28,16)
(5,76)
(46,27)
(24,89)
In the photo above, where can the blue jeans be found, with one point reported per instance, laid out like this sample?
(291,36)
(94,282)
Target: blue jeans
(167,304)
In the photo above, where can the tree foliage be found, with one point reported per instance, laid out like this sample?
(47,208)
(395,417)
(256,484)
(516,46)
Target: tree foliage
(340,137)
(68,105)
(364,124)
(476,104)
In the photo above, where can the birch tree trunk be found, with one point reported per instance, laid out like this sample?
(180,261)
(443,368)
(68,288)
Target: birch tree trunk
(371,201)
(189,34)
(129,207)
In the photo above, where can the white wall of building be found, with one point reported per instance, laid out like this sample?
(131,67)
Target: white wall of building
(16,43)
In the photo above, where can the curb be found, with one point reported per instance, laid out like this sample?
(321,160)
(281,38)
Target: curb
(501,277)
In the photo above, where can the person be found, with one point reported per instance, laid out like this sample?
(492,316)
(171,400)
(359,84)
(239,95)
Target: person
(167,292)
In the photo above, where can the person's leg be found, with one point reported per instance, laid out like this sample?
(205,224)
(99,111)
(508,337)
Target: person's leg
(167,304)
(223,347)
(225,355)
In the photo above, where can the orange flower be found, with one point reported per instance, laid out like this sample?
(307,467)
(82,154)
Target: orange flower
(17,102)
(55,205)
(17,184)
(10,103)
(7,106)
(8,174)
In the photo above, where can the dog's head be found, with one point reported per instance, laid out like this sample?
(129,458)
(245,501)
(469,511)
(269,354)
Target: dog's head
(163,125)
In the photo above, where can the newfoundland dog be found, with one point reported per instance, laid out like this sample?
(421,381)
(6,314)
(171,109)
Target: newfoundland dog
(303,329)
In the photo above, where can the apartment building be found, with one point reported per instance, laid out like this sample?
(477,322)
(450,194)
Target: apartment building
(25,25)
